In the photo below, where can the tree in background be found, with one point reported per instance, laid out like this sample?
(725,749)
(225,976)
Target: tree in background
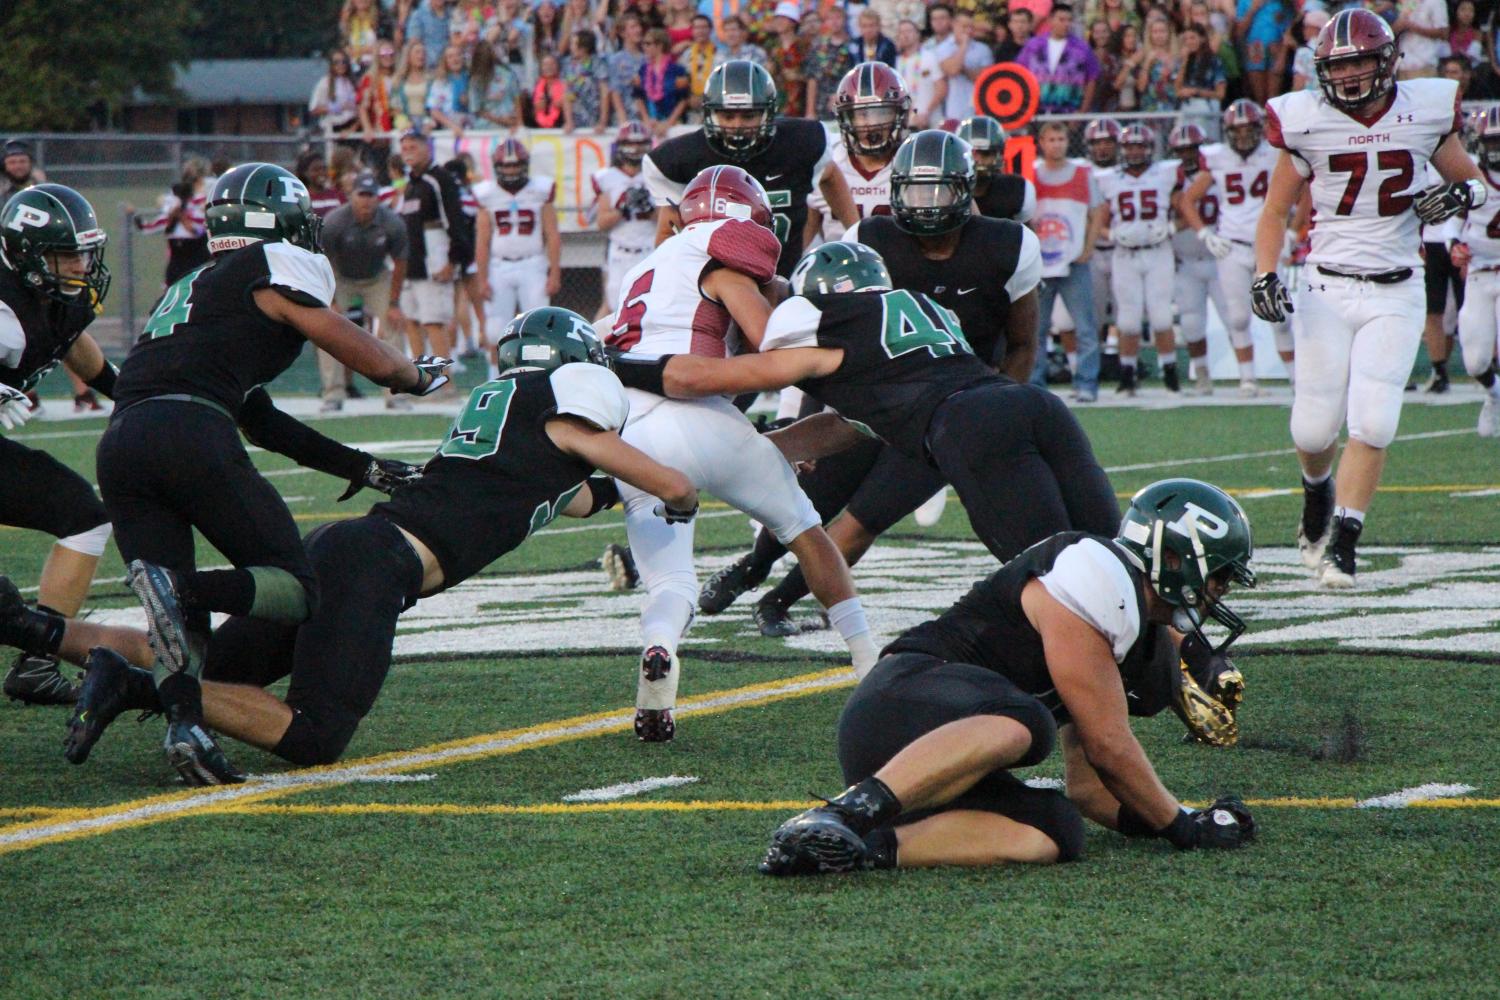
(263,29)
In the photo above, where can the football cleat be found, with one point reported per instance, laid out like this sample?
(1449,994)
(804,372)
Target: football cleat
(38,680)
(1316,525)
(1249,388)
(774,620)
(816,842)
(1439,384)
(931,511)
(156,588)
(1169,379)
(1203,382)
(1489,417)
(656,691)
(1127,381)
(195,755)
(1336,571)
(619,566)
(104,694)
(725,586)
(654,725)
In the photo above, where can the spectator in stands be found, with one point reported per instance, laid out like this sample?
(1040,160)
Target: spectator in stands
(1464,38)
(448,97)
(323,192)
(1456,67)
(366,244)
(1018,31)
(871,45)
(759,17)
(1129,55)
(698,59)
(361,26)
(494,91)
(1421,29)
(624,70)
(649,11)
(511,33)
(181,217)
(439,248)
(583,72)
(549,95)
(663,84)
(924,78)
(409,88)
(546,30)
(1304,76)
(962,59)
(678,20)
(1216,22)
(428,24)
(333,106)
(578,15)
(1156,80)
(373,95)
(1063,63)
(940,22)
(20,169)
(1103,42)
(1200,79)
(829,57)
(737,44)
(1259,26)
(787,59)
(893,12)
(1113,13)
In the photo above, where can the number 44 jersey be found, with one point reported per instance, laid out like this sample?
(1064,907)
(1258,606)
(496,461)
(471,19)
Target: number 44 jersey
(1365,174)
(903,355)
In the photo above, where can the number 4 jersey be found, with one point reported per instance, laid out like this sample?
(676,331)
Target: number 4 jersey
(1365,174)
(903,355)
(1481,230)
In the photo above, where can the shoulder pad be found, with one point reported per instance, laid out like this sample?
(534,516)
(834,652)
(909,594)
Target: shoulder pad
(301,275)
(793,323)
(12,338)
(592,393)
(743,246)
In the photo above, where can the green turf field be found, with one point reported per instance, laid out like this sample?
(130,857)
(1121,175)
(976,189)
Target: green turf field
(443,857)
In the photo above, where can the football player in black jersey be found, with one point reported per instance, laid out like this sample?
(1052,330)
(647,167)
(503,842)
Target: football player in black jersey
(519,454)
(740,128)
(1068,639)
(171,459)
(896,365)
(52,282)
(997,194)
(969,264)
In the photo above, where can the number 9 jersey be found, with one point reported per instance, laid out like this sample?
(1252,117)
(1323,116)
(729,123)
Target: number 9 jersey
(1365,175)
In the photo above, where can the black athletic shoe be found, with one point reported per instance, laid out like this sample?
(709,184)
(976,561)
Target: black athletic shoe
(1439,384)
(774,621)
(156,588)
(1169,378)
(1336,572)
(103,695)
(195,755)
(654,725)
(816,842)
(1127,381)
(725,586)
(1317,520)
(619,566)
(38,680)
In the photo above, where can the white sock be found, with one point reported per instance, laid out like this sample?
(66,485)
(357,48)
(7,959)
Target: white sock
(1247,371)
(664,620)
(1349,514)
(1127,362)
(1072,361)
(849,618)
(1317,480)
(1291,372)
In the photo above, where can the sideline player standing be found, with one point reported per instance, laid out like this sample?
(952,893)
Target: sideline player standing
(171,459)
(519,251)
(1361,141)
(1197,280)
(1137,208)
(625,210)
(997,194)
(1479,319)
(871,105)
(1240,169)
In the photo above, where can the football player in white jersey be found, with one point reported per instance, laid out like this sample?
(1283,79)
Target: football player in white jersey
(1479,249)
(681,300)
(1137,207)
(1197,271)
(625,210)
(518,253)
(1362,142)
(1240,168)
(871,105)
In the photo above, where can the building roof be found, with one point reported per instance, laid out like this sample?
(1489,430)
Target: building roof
(217,82)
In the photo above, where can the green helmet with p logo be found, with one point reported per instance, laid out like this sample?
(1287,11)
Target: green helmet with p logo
(49,219)
(261,203)
(547,338)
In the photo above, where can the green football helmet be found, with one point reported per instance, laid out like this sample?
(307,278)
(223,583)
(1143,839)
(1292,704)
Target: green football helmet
(841,266)
(51,219)
(986,138)
(261,202)
(1186,533)
(547,338)
(739,86)
(932,183)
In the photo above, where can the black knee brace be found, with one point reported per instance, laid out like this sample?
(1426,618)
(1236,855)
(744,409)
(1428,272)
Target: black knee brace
(308,742)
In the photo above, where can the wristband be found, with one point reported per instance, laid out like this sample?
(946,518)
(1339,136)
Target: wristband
(1182,831)
(104,382)
(645,374)
(1130,824)
(605,493)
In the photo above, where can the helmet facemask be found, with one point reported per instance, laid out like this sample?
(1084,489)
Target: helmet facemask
(1489,151)
(1353,88)
(931,208)
(1137,155)
(738,133)
(873,130)
(1244,139)
(1104,152)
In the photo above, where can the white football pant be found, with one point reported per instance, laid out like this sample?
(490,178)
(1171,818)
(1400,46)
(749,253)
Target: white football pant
(1141,281)
(1236,272)
(1479,320)
(515,287)
(1197,282)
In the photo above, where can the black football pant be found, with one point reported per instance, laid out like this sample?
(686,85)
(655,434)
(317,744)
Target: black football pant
(908,695)
(168,466)
(338,659)
(39,493)
(1021,465)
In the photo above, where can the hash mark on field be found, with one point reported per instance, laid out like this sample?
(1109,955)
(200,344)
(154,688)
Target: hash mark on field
(627,788)
(1407,796)
(297,778)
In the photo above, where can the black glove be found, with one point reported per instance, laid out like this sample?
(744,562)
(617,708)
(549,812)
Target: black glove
(1218,827)
(432,367)
(676,515)
(384,474)
(1269,298)
(636,203)
(1443,201)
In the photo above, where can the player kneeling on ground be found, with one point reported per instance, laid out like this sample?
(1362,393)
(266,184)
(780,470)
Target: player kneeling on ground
(519,453)
(1071,636)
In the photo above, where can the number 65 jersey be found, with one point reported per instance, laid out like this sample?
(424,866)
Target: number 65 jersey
(1365,174)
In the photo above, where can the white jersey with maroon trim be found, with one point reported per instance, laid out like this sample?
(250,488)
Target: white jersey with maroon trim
(1186,245)
(871,192)
(663,308)
(1481,230)
(1140,205)
(1365,174)
(1242,182)
(517,217)
(637,230)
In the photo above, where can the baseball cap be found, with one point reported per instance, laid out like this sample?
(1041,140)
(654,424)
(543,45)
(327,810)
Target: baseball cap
(366,183)
(17,147)
(790,10)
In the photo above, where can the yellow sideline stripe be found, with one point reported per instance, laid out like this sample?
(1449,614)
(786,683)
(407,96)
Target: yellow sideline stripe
(81,823)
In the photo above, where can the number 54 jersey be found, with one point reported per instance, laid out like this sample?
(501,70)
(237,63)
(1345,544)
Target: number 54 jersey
(1365,174)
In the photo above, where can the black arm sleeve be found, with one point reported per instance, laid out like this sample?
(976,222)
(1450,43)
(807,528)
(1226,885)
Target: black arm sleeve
(604,493)
(645,374)
(104,382)
(460,232)
(269,428)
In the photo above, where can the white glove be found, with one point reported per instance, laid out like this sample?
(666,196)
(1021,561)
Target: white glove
(1217,245)
(15,408)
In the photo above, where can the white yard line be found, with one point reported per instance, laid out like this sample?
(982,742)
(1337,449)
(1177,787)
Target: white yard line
(628,788)
(1242,455)
(1405,797)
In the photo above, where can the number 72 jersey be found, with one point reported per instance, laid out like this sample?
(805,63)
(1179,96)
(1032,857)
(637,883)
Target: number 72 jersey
(1365,175)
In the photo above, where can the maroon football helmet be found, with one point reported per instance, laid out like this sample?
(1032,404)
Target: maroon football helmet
(724,192)
(1138,144)
(512,165)
(1184,141)
(1102,137)
(632,143)
(1244,126)
(871,105)
(1353,35)
(1487,126)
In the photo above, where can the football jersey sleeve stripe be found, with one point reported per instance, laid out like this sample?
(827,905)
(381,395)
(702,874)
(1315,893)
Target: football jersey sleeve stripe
(302,276)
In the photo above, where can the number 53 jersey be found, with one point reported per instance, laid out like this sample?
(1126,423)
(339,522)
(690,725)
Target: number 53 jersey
(1365,174)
